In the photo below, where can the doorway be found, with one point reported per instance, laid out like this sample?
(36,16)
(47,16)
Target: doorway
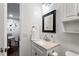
(13,29)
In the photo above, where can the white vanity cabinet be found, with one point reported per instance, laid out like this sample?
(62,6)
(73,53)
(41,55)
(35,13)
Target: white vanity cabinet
(36,51)
(39,50)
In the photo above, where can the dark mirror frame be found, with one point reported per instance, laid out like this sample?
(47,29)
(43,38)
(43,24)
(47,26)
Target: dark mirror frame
(54,22)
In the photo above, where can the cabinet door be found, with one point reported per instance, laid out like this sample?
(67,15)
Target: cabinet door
(37,52)
(70,9)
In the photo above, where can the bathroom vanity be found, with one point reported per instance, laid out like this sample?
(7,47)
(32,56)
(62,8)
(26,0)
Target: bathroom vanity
(43,48)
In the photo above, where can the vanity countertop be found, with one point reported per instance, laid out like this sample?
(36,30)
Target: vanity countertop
(45,44)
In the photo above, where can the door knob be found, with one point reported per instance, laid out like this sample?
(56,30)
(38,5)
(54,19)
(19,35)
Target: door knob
(6,49)
(1,50)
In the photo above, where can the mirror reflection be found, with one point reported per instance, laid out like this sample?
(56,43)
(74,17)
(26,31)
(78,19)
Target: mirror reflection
(49,22)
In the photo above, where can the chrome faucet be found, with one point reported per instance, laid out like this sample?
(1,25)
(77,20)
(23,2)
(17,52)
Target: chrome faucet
(46,38)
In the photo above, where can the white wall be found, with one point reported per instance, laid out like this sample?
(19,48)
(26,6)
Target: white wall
(30,16)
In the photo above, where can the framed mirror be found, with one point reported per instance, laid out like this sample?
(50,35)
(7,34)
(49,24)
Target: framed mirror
(49,22)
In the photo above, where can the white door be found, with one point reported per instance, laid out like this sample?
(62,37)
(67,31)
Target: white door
(3,29)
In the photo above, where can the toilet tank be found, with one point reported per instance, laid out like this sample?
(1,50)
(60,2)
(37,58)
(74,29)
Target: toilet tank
(70,53)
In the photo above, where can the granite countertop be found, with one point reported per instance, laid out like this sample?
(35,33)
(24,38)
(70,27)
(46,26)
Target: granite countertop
(46,44)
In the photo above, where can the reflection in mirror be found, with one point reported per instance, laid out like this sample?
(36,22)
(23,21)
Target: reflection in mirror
(49,22)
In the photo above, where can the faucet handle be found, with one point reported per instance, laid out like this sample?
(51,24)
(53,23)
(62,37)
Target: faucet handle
(46,38)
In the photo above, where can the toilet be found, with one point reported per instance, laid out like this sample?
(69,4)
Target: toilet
(70,53)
